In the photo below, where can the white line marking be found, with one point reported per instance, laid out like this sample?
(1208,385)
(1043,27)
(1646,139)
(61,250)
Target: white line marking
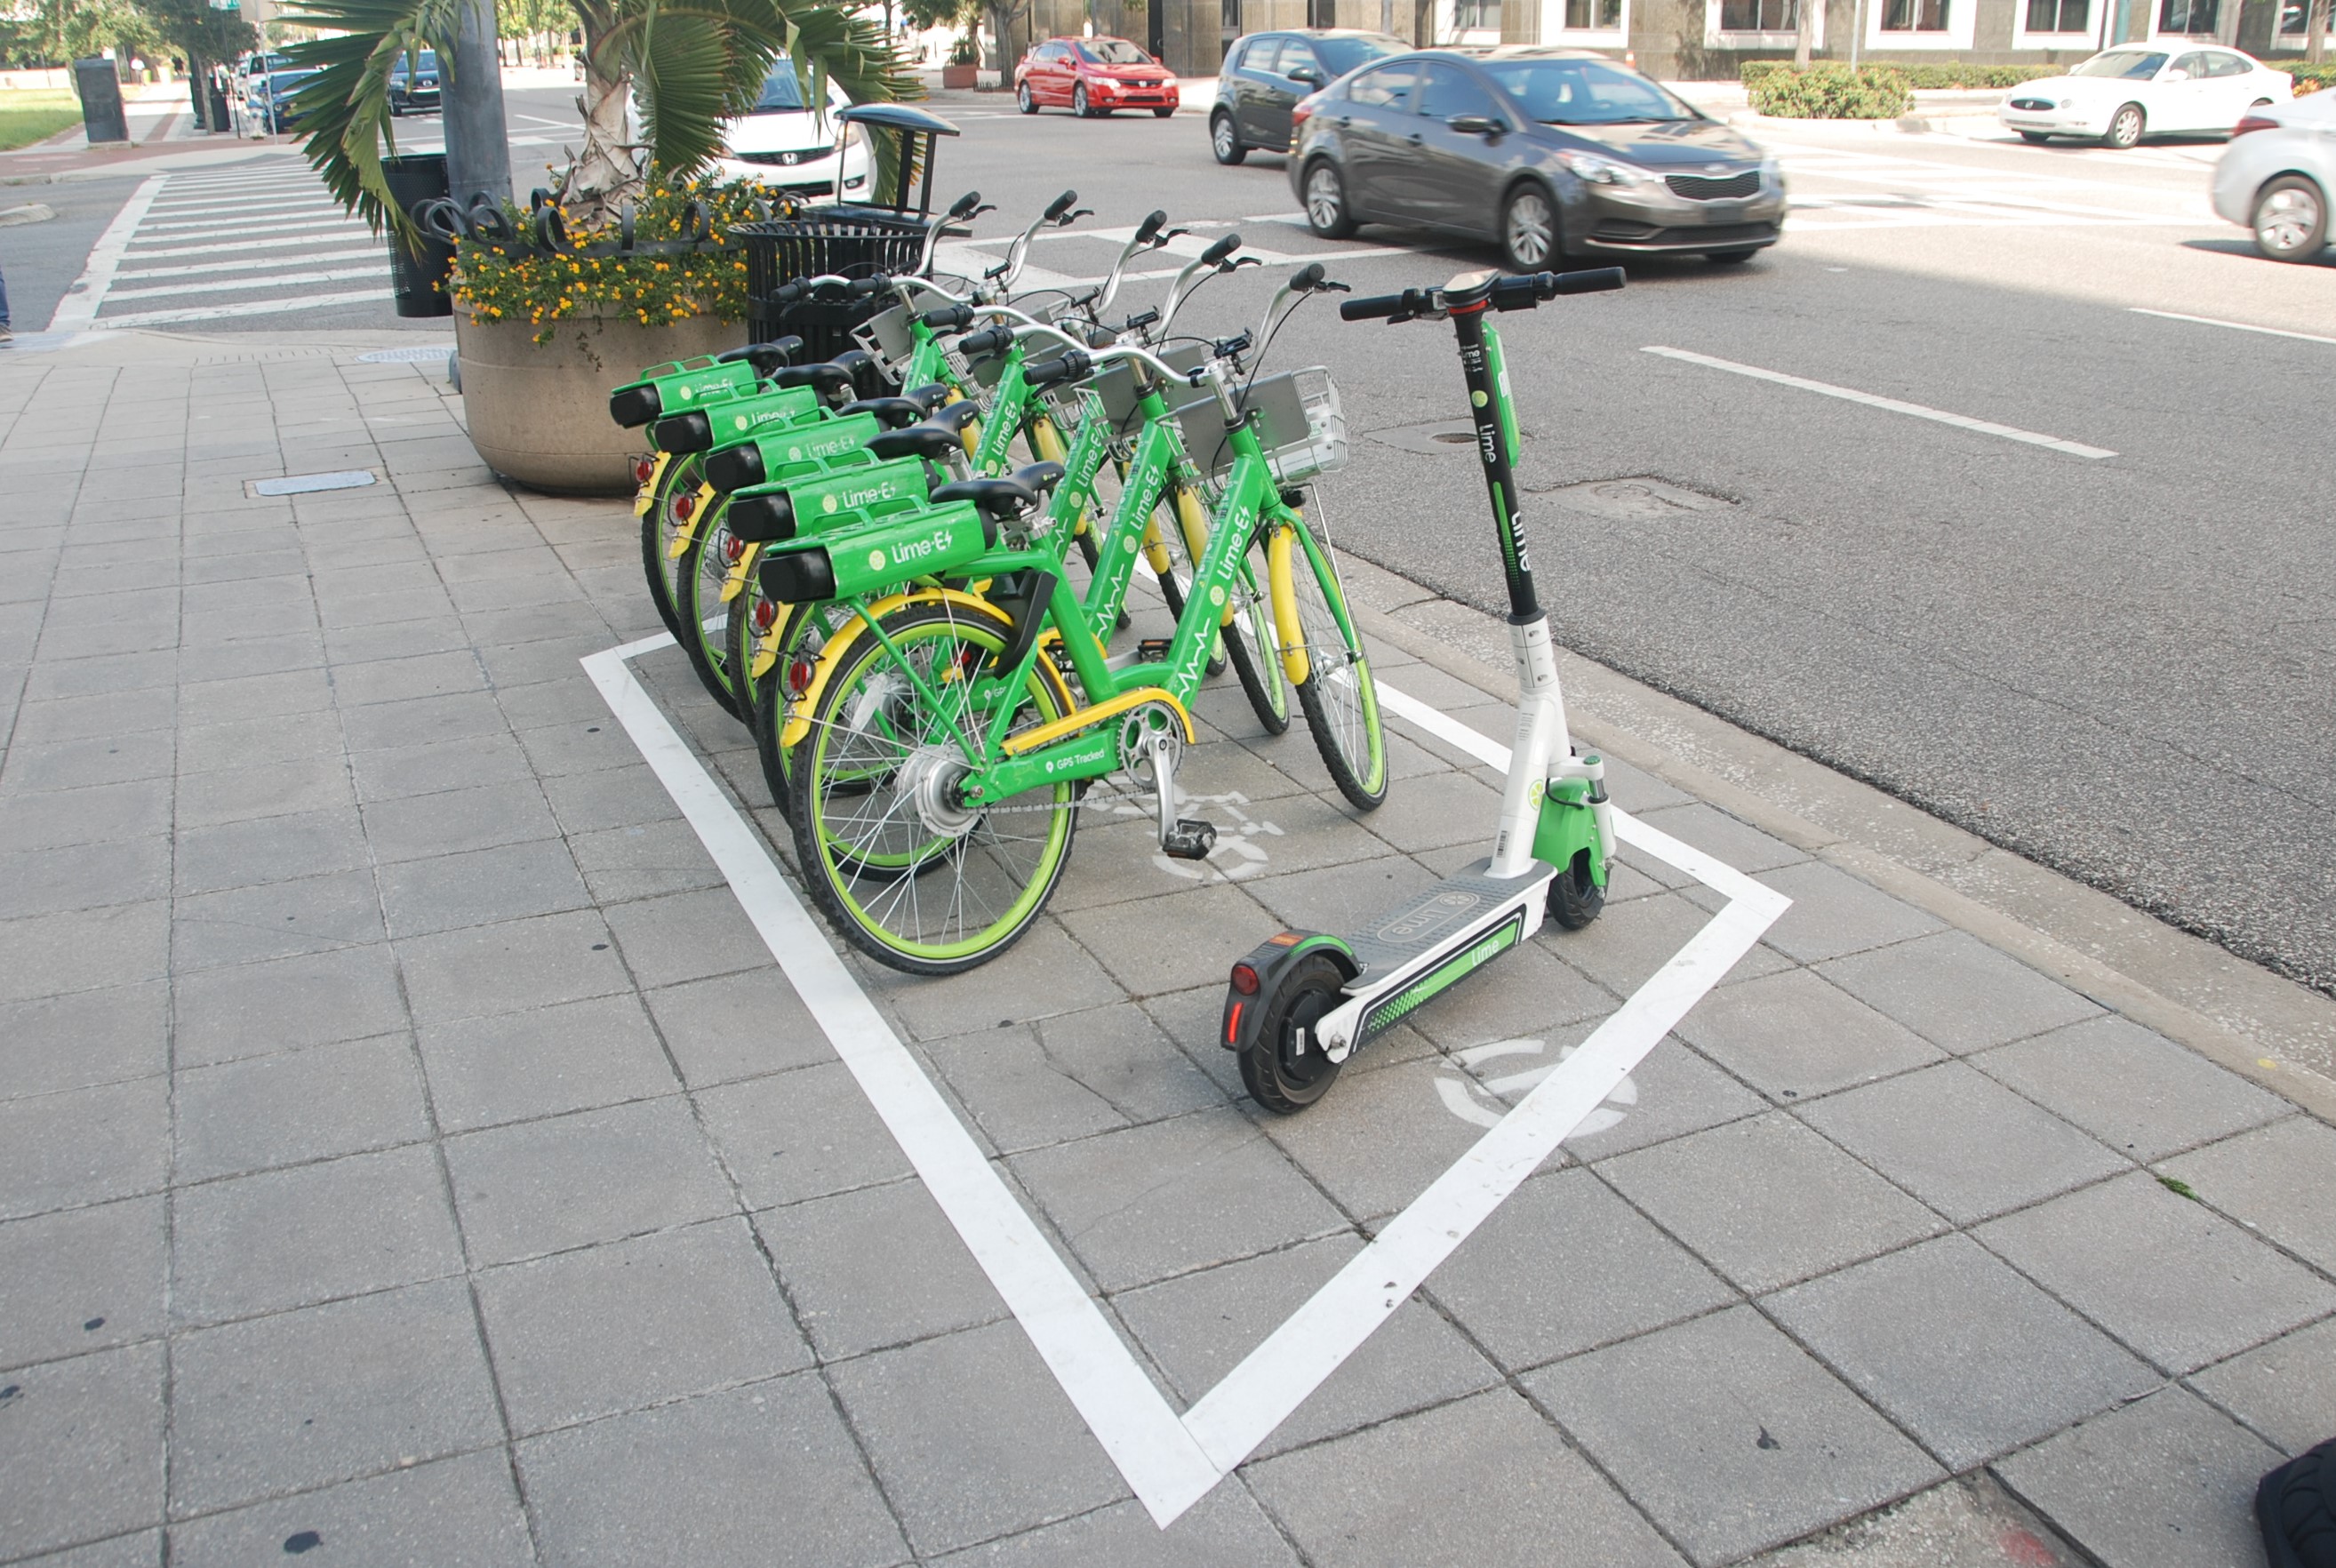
(1138,1430)
(1890,405)
(289,242)
(79,307)
(248,307)
(251,264)
(334,218)
(1173,1463)
(2233,326)
(230,285)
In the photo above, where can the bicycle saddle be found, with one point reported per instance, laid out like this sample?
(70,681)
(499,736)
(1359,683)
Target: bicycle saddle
(827,375)
(932,395)
(894,411)
(1007,498)
(931,438)
(766,357)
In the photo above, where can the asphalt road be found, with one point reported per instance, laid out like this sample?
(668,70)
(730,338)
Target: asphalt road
(2123,666)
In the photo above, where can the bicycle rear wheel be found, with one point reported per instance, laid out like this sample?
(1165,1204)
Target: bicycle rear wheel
(705,616)
(801,632)
(1340,699)
(659,527)
(912,877)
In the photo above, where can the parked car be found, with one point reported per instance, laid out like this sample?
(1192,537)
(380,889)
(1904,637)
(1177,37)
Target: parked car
(419,94)
(2122,94)
(1093,76)
(2275,177)
(1551,153)
(1266,73)
(271,100)
(785,146)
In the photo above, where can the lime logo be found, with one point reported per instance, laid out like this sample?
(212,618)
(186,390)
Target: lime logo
(795,454)
(1533,793)
(1216,594)
(875,560)
(1478,398)
(742,421)
(827,503)
(687,394)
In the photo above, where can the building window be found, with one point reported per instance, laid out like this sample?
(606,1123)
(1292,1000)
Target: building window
(1921,15)
(1228,19)
(1592,15)
(2059,16)
(2187,16)
(1758,16)
(1479,16)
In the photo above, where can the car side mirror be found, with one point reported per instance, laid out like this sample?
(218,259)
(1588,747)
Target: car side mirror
(1478,125)
(2177,74)
(1310,74)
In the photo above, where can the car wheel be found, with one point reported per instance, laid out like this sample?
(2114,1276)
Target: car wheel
(2035,138)
(1326,202)
(1224,140)
(1079,101)
(396,109)
(1023,101)
(2291,218)
(1731,258)
(2125,127)
(1164,110)
(1529,236)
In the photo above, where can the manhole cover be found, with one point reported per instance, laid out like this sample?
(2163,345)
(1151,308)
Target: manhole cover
(307,484)
(1634,500)
(415,356)
(1442,436)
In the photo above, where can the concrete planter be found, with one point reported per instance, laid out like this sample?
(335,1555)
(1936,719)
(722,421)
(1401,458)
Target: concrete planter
(539,415)
(960,76)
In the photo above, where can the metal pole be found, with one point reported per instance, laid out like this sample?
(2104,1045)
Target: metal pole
(1856,30)
(478,143)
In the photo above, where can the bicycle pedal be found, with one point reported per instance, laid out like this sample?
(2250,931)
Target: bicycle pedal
(1151,651)
(1192,840)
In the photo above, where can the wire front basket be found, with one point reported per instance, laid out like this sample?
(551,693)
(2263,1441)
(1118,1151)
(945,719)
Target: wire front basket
(1298,420)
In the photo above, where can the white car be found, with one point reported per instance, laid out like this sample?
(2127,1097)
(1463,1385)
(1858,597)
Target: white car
(2133,91)
(2276,176)
(784,145)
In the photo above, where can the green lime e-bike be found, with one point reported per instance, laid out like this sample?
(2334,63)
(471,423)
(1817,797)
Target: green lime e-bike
(1301,1002)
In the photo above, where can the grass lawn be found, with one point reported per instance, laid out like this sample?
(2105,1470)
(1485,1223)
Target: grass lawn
(33,113)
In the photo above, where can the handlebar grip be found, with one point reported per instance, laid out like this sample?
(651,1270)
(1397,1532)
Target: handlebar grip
(962,208)
(1594,280)
(1307,278)
(974,345)
(1221,249)
(1061,204)
(1071,367)
(948,319)
(1378,306)
(1150,227)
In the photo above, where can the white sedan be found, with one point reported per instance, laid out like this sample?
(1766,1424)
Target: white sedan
(2276,177)
(2125,94)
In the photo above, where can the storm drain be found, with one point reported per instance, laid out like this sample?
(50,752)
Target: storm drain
(1442,435)
(1638,499)
(418,354)
(308,483)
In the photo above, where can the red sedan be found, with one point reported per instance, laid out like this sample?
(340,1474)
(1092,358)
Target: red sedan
(1093,76)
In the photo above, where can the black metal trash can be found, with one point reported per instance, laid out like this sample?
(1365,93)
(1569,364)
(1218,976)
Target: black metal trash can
(846,241)
(418,263)
(102,114)
(222,116)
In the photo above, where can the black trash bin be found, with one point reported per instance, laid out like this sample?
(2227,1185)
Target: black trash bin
(222,117)
(100,86)
(845,241)
(418,263)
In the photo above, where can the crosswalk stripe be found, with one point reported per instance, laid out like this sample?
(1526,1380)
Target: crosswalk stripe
(279,242)
(224,225)
(248,307)
(250,264)
(235,285)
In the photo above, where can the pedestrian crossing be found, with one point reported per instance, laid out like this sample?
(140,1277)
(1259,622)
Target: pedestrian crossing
(1840,188)
(262,240)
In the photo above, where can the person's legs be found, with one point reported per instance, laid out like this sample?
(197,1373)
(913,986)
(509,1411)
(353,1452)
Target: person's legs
(5,331)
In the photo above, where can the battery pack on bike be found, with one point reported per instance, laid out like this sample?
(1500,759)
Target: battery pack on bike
(732,419)
(685,383)
(828,501)
(877,556)
(786,452)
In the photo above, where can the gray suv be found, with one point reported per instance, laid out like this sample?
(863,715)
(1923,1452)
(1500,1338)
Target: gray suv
(1266,73)
(1552,153)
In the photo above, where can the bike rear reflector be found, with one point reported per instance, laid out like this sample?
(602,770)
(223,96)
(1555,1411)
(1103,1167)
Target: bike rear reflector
(1245,979)
(642,467)
(1232,1022)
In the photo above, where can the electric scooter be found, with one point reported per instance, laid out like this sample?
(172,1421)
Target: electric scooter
(1302,1002)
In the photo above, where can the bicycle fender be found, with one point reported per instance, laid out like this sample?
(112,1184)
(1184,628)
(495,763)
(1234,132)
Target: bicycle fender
(734,582)
(647,495)
(1269,958)
(1284,591)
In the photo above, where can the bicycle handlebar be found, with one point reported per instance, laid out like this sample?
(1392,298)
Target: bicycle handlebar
(1522,291)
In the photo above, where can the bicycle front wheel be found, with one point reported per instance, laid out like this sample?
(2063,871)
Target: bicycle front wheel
(1340,699)
(660,525)
(705,635)
(911,876)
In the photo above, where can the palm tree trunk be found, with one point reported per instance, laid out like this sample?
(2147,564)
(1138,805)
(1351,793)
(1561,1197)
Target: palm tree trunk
(607,169)
(1804,32)
(2315,37)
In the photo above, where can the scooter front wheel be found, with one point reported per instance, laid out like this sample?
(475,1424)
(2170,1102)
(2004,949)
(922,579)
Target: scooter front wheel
(1575,897)
(1284,1070)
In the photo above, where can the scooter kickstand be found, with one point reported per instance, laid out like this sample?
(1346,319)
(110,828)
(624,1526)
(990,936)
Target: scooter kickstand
(1181,838)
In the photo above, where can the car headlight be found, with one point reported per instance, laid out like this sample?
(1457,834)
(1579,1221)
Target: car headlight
(1600,170)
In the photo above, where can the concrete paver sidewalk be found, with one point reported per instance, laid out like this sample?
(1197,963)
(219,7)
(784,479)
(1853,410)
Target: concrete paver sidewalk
(410,1151)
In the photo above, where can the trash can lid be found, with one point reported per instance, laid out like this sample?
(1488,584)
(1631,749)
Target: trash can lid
(899,117)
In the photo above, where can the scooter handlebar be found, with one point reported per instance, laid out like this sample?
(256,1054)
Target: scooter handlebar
(1385,306)
(1592,280)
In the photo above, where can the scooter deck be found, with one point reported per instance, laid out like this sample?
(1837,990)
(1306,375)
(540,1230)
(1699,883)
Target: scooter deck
(1431,942)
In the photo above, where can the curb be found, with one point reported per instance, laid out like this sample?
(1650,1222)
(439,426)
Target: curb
(2047,932)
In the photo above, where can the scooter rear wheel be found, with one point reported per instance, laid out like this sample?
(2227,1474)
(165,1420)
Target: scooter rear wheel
(1284,1071)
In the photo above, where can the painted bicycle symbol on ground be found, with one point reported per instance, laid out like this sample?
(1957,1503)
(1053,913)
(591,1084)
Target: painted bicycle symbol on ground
(1238,854)
(1483,1101)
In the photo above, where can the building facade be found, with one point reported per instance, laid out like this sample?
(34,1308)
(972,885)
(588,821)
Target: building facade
(1693,39)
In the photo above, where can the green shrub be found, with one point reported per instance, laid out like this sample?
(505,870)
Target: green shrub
(1925,75)
(2308,78)
(1832,92)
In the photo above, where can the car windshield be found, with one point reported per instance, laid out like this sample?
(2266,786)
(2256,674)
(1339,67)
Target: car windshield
(2131,65)
(781,92)
(1112,52)
(429,64)
(1584,92)
(1340,55)
(285,80)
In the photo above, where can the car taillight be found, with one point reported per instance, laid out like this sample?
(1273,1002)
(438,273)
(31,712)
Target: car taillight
(2252,122)
(1299,113)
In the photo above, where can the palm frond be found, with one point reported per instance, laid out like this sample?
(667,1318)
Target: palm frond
(343,109)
